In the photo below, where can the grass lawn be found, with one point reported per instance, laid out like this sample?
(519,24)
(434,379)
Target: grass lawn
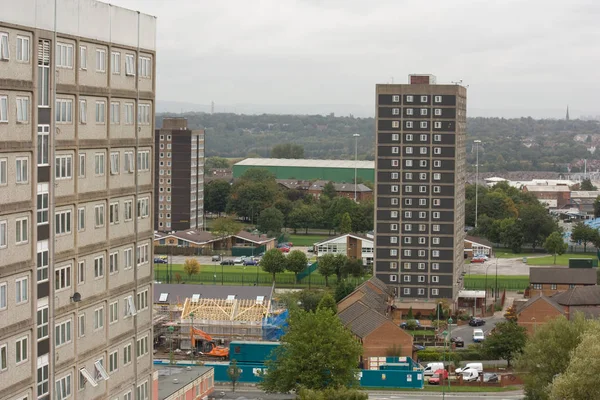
(306,240)
(560,260)
(507,253)
(453,389)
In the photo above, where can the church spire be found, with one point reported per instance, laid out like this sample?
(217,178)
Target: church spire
(567,117)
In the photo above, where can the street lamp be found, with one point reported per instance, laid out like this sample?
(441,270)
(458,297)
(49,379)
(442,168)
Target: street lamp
(450,321)
(477,143)
(356,136)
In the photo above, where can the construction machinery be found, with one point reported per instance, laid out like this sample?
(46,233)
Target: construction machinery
(206,345)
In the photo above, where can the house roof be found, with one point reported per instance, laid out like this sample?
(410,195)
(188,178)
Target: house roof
(202,237)
(288,162)
(178,293)
(562,275)
(585,194)
(354,235)
(547,188)
(533,300)
(361,319)
(579,296)
(259,239)
(479,240)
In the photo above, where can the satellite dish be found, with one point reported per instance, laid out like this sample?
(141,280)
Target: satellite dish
(76,297)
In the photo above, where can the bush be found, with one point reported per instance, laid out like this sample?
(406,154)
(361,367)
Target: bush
(473,353)
(411,324)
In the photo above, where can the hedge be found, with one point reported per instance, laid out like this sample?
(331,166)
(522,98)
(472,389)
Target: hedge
(470,354)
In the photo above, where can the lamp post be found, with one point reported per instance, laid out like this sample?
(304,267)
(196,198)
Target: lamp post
(450,321)
(496,290)
(477,143)
(485,288)
(222,275)
(356,136)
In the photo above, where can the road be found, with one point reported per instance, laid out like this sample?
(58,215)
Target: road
(466,331)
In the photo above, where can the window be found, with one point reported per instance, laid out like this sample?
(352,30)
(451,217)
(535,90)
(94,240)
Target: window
(145,67)
(144,114)
(99,215)
(42,142)
(423,176)
(409,150)
(113,213)
(423,111)
(142,390)
(62,220)
(437,99)
(42,323)
(436,202)
(42,381)
(114,163)
(63,167)
(128,113)
(22,227)
(115,113)
(395,124)
(83,57)
(3,109)
(435,266)
(394,175)
(394,163)
(423,150)
(407,239)
(142,346)
(409,111)
(63,387)
(393,252)
(64,55)
(21,349)
(423,163)
(22,290)
(437,177)
(394,239)
(129,306)
(435,292)
(409,137)
(437,138)
(406,291)
(113,262)
(81,324)
(409,99)
(537,286)
(422,202)
(395,137)
(409,124)
(62,333)
(437,150)
(406,278)
(98,318)
(407,227)
(395,98)
(100,60)
(421,240)
(437,125)
(113,312)
(142,207)
(421,278)
(127,354)
(22,170)
(422,228)
(394,214)
(100,112)
(393,265)
(436,189)
(394,188)
(128,205)
(407,253)
(113,361)
(436,228)
(421,253)
(128,167)
(553,286)
(435,240)
(99,163)
(421,266)
(81,219)
(62,277)
(42,261)
(422,189)
(423,99)
(408,189)
(142,300)
(437,112)
(115,62)
(423,124)
(3,296)
(435,253)
(128,258)
(143,159)
(64,111)
(3,171)
(407,214)
(22,49)
(423,138)
(142,254)
(395,111)
(393,278)
(394,150)
(437,163)
(22,110)
(99,267)
(394,201)
(81,271)
(393,227)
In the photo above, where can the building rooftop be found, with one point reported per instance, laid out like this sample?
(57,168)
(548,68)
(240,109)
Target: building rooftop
(172,379)
(361,319)
(548,188)
(354,235)
(579,296)
(199,237)
(179,293)
(285,162)
(562,275)
(585,194)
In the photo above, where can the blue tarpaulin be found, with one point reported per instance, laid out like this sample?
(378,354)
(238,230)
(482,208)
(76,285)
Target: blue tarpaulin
(274,326)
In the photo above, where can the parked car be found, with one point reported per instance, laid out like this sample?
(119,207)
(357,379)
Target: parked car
(430,368)
(158,260)
(481,256)
(458,341)
(284,249)
(216,258)
(163,257)
(470,375)
(477,322)
(249,261)
(478,335)
(490,377)
(477,260)
(238,261)
(227,262)
(475,366)
(437,376)
(404,324)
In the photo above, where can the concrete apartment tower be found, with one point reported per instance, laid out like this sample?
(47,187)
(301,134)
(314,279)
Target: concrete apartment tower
(179,170)
(420,188)
(77,84)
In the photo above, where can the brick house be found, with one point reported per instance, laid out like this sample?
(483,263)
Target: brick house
(551,280)
(366,312)
(552,196)
(537,311)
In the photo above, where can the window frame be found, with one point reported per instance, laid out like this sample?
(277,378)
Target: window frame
(99,267)
(63,277)
(22,170)
(22,350)
(22,109)
(115,62)
(22,235)
(22,290)
(63,333)
(23,49)
(62,55)
(63,221)
(101,60)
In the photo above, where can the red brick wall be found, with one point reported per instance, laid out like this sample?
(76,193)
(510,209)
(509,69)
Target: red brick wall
(548,291)
(541,310)
(377,343)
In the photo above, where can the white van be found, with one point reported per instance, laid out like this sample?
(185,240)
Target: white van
(470,375)
(478,335)
(432,367)
(477,367)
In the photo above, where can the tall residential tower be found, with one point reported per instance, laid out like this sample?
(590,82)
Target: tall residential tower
(77,86)
(420,188)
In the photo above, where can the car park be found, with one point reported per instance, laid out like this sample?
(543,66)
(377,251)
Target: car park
(437,376)
(158,260)
(477,322)
(458,341)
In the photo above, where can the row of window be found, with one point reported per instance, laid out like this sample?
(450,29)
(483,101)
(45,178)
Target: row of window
(409,202)
(420,253)
(409,176)
(422,150)
(411,98)
(408,240)
(407,265)
(409,137)
(422,111)
(539,286)
(409,189)
(22,104)
(422,163)
(21,346)
(21,294)
(64,112)
(418,291)
(22,45)
(408,227)
(422,124)
(421,214)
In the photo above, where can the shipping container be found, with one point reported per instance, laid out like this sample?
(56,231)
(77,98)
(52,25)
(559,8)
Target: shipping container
(583,263)
(251,352)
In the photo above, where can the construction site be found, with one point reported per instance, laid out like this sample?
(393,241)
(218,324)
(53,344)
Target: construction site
(198,322)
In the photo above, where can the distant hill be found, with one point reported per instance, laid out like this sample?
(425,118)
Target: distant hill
(522,144)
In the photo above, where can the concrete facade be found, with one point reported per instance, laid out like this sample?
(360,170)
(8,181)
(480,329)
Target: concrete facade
(76,200)
(420,189)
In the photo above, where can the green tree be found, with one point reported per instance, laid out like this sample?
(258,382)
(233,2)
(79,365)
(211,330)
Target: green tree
(410,315)
(332,394)
(287,150)
(339,263)
(216,196)
(580,379)
(354,267)
(270,221)
(225,226)
(584,234)
(555,244)
(216,163)
(548,352)
(331,360)
(254,191)
(536,223)
(337,207)
(329,190)
(233,372)
(587,185)
(343,289)
(597,207)
(326,266)
(327,302)
(296,262)
(506,341)
(286,207)
(273,262)
(305,216)
(345,224)
(191,266)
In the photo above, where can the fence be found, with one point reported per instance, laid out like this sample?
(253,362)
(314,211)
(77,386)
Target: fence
(179,250)
(307,271)
(239,251)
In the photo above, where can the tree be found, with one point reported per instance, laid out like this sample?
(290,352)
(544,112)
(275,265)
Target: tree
(305,216)
(273,262)
(254,191)
(332,394)
(548,352)
(345,224)
(583,233)
(326,266)
(506,341)
(587,185)
(234,372)
(270,221)
(191,267)
(597,207)
(329,190)
(216,163)
(410,314)
(354,267)
(339,263)
(555,244)
(330,361)
(225,226)
(580,379)
(343,289)
(287,150)
(536,223)
(327,302)
(178,277)
(296,262)
(216,196)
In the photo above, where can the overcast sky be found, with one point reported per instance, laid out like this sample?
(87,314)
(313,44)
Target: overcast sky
(519,57)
